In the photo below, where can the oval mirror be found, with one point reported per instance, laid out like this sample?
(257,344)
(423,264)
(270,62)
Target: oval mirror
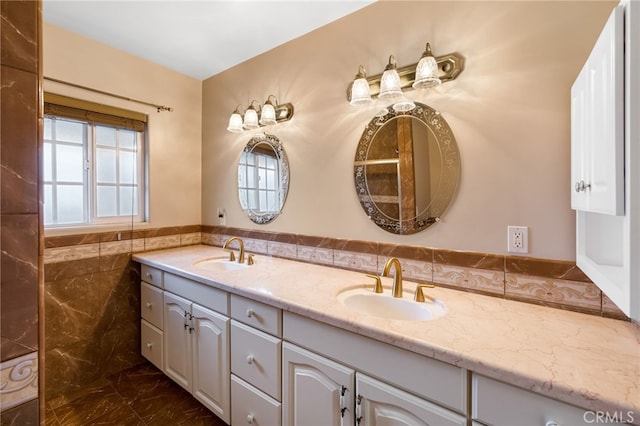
(263,178)
(406,169)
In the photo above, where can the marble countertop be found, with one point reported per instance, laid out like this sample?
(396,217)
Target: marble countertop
(581,359)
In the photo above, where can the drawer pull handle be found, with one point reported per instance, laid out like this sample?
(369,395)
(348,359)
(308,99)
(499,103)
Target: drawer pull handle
(250,359)
(149,275)
(250,418)
(148,304)
(551,423)
(149,345)
(249,312)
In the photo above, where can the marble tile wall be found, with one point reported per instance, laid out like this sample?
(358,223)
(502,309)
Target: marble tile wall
(553,283)
(92,304)
(20,124)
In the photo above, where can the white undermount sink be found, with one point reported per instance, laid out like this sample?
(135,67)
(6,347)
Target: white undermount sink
(219,264)
(383,305)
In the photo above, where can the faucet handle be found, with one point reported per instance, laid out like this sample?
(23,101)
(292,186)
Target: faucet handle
(378,287)
(251,260)
(232,256)
(419,295)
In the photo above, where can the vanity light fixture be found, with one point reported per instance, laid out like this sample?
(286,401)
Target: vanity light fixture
(251,118)
(426,71)
(417,76)
(390,81)
(256,115)
(360,91)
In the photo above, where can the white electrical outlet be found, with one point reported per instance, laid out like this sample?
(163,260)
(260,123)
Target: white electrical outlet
(518,239)
(222,220)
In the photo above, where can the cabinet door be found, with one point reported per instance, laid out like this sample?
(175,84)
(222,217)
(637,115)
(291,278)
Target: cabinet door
(210,360)
(597,124)
(177,339)
(315,390)
(378,403)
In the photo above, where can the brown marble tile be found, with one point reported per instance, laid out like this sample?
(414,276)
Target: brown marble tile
(23,415)
(190,229)
(563,270)
(106,237)
(73,309)
(10,349)
(467,259)
(19,41)
(116,261)
(162,232)
(71,240)
(313,241)
(91,406)
(364,247)
(71,368)
(406,252)
(610,310)
(70,269)
(19,148)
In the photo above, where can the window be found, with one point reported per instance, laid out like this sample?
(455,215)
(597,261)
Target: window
(94,170)
(258,182)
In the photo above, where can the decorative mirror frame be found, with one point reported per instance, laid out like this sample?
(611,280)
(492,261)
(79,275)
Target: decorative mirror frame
(283,181)
(449,177)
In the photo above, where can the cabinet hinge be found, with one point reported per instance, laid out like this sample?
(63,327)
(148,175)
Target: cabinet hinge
(358,409)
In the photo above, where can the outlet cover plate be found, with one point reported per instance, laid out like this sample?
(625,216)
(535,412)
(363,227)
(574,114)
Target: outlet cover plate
(517,239)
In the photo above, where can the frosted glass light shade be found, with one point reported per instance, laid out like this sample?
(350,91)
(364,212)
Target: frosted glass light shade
(235,123)
(360,92)
(268,115)
(404,105)
(390,87)
(250,119)
(426,71)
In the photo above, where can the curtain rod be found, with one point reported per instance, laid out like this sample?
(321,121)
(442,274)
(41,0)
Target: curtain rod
(158,107)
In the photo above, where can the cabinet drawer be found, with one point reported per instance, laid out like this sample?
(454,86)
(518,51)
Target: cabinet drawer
(151,304)
(151,343)
(497,403)
(251,406)
(256,357)
(152,275)
(204,295)
(257,315)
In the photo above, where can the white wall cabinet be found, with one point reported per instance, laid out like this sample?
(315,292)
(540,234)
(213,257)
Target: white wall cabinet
(605,153)
(597,124)
(315,390)
(196,352)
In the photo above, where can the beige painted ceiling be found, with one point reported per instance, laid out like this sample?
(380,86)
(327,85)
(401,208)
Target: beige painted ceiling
(196,38)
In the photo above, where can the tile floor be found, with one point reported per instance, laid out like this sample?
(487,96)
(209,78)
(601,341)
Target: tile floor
(138,396)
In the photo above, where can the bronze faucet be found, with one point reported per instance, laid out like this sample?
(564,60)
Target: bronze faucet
(241,255)
(397,277)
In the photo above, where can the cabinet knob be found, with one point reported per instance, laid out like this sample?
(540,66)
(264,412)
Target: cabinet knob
(250,418)
(149,345)
(149,275)
(551,423)
(249,312)
(250,359)
(581,186)
(148,305)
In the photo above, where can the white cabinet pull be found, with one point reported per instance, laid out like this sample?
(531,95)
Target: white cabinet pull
(250,359)
(249,312)
(149,275)
(250,418)
(551,423)
(148,305)
(149,345)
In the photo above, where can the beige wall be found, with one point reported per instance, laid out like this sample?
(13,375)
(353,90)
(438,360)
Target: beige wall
(174,137)
(509,111)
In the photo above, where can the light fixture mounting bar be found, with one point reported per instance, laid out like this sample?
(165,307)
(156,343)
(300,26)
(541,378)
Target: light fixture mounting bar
(284,112)
(449,67)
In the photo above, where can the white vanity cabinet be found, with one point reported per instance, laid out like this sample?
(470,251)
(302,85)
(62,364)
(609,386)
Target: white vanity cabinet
(315,390)
(380,382)
(151,310)
(256,362)
(496,403)
(196,348)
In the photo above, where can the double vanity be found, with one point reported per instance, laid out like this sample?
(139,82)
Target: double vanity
(285,342)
